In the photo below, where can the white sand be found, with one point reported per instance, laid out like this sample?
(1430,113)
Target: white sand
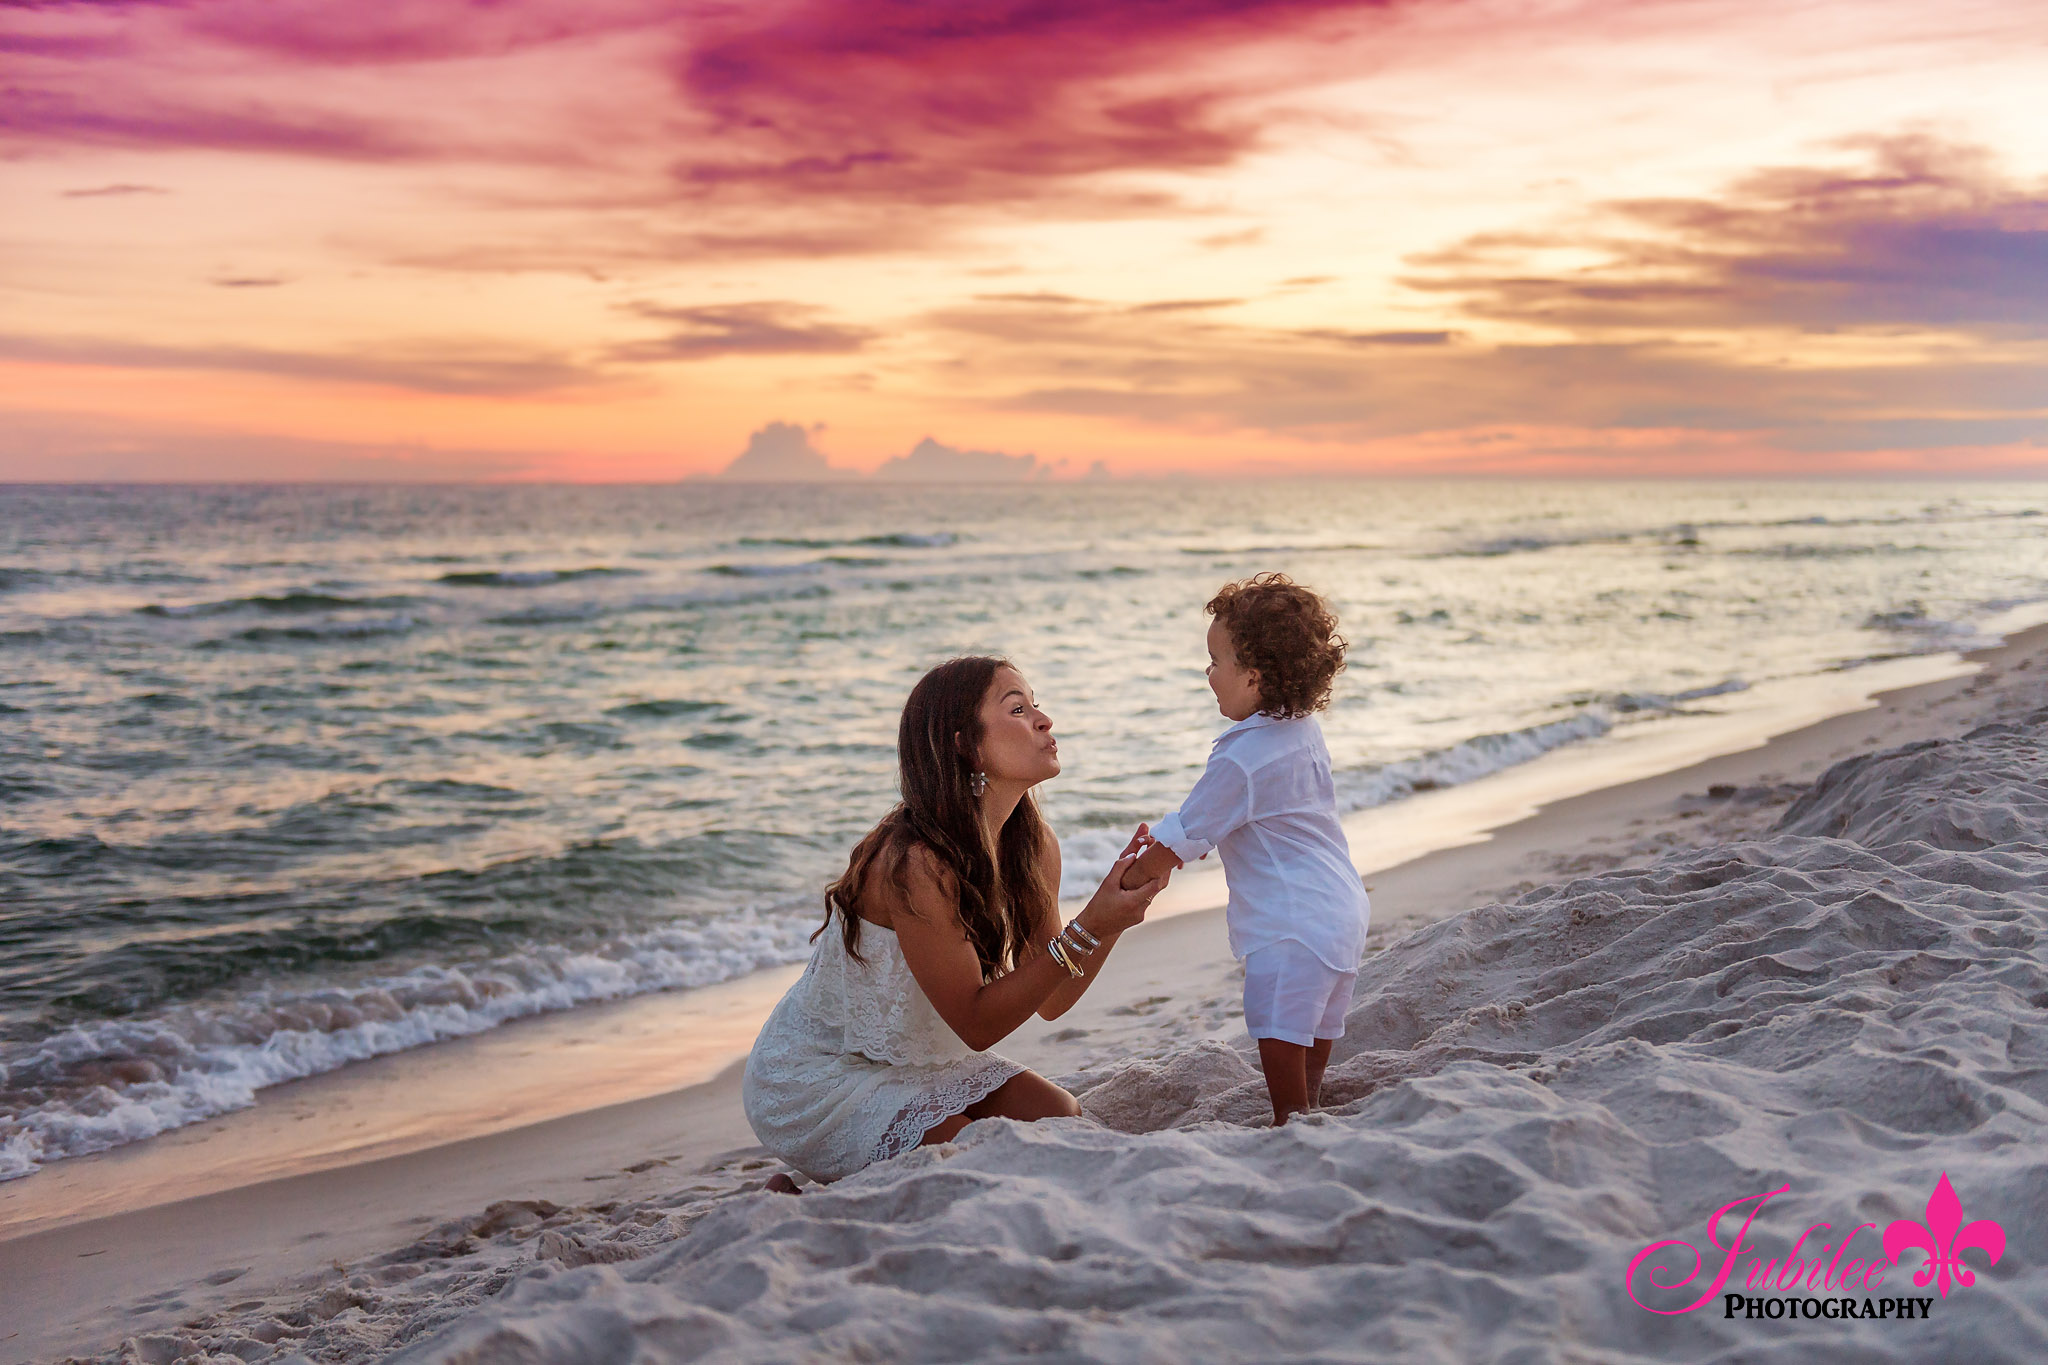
(1528,1094)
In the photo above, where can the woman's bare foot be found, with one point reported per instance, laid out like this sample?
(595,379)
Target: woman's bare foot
(782,1184)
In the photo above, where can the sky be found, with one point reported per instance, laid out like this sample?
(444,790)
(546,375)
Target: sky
(619,240)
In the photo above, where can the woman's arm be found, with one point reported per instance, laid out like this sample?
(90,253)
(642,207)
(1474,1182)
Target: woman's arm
(935,945)
(1073,988)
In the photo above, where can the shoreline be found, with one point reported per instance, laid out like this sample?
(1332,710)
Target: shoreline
(91,1279)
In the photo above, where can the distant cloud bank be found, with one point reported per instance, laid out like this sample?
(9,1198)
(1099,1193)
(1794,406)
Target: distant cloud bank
(781,452)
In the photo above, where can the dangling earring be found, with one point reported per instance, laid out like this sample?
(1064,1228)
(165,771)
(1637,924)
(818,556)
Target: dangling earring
(979,782)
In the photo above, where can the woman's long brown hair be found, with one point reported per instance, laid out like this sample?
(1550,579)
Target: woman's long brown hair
(1003,891)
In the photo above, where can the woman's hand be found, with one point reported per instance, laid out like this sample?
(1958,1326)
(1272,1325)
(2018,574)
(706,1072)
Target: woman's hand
(1113,909)
(1140,841)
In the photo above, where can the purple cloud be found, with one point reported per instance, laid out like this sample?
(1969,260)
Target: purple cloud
(1926,233)
(763,328)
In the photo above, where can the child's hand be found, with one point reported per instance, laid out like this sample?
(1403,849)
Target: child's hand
(1145,860)
(1116,907)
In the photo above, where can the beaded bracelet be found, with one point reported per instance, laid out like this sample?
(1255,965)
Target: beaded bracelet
(1084,940)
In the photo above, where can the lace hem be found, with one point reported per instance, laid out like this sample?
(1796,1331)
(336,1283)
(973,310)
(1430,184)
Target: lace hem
(940,1103)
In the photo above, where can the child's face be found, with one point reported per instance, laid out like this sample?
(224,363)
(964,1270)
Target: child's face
(1236,687)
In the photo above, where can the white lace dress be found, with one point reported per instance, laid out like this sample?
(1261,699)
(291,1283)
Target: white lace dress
(854,1064)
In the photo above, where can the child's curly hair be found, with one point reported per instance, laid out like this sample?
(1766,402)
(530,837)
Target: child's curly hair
(1286,632)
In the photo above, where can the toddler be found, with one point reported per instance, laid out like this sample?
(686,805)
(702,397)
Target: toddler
(1298,912)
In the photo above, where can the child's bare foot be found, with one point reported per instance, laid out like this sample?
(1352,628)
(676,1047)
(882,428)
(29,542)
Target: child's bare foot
(782,1184)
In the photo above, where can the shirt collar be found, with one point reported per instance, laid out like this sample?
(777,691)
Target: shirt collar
(1251,722)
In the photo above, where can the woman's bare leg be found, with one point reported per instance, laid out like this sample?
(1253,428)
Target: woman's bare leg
(1026,1096)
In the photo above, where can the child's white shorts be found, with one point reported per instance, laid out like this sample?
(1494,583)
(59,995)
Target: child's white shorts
(1293,995)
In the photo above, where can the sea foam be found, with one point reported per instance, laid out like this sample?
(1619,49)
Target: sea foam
(94,1086)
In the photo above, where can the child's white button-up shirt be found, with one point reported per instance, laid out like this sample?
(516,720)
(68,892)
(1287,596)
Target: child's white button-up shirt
(1267,805)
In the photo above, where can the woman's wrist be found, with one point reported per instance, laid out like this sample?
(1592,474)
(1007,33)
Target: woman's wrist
(1061,950)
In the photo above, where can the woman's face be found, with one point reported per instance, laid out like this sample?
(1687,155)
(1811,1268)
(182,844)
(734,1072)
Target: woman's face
(1016,737)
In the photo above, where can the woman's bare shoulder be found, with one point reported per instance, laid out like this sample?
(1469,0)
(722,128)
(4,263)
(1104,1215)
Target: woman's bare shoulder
(918,865)
(904,873)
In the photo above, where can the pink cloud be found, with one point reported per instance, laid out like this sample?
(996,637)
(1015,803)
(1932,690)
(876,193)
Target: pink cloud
(699,131)
(929,102)
(128,120)
(247,75)
(932,102)
(338,33)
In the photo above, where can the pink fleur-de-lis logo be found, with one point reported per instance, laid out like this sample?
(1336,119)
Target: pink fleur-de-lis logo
(1943,1242)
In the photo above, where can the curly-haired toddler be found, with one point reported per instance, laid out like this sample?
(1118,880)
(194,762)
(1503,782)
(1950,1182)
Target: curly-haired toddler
(1298,911)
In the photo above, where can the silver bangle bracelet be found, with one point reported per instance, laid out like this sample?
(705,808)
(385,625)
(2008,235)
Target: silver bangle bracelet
(1053,946)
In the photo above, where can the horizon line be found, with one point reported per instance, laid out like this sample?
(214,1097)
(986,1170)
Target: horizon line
(699,480)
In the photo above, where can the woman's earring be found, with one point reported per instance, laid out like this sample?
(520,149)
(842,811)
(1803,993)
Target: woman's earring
(979,782)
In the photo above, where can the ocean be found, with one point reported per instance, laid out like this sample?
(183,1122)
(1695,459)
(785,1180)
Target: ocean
(292,776)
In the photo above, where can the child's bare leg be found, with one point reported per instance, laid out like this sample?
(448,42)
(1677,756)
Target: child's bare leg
(1318,1059)
(1286,1068)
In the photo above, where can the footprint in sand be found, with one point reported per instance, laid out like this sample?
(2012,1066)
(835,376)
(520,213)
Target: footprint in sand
(1149,1005)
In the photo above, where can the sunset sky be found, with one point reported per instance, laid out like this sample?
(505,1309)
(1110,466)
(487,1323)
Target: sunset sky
(613,239)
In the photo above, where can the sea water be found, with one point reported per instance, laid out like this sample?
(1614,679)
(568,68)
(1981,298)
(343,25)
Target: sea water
(296,775)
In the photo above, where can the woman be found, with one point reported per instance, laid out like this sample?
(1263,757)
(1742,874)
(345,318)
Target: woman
(947,937)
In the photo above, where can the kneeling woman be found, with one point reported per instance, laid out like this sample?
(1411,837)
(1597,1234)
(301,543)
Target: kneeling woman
(947,938)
